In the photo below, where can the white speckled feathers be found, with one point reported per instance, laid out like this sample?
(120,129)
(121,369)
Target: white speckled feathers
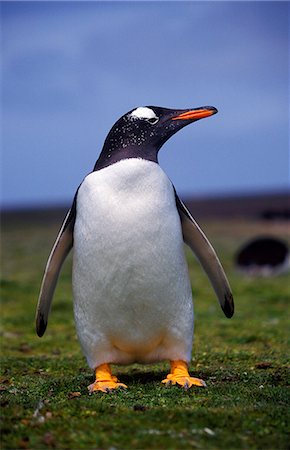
(132,295)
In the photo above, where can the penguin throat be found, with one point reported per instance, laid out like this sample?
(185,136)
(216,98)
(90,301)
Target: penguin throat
(111,156)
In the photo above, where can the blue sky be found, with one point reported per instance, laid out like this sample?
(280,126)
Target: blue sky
(71,69)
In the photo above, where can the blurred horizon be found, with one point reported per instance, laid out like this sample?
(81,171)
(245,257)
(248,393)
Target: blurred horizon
(269,205)
(71,69)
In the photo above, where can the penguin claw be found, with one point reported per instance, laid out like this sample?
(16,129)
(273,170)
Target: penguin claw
(185,382)
(106,386)
(167,383)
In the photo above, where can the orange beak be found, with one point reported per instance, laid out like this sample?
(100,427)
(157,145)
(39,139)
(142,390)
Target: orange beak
(196,114)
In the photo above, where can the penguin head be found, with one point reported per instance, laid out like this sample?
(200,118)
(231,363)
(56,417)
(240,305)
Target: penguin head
(141,132)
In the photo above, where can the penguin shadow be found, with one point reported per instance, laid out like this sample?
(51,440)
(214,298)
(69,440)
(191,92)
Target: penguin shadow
(139,377)
(133,378)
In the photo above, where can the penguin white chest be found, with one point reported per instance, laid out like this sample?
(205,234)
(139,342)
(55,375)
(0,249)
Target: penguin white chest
(132,296)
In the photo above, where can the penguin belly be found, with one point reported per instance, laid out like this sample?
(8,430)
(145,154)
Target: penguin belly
(131,288)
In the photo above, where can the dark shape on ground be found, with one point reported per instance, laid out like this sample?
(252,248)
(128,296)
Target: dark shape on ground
(263,256)
(276,214)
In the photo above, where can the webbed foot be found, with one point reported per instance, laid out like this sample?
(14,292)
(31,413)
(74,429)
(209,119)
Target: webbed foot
(105,381)
(179,375)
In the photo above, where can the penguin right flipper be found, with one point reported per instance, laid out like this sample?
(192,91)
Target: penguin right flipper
(59,252)
(195,238)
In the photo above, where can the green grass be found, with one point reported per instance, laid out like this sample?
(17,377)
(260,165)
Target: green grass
(243,361)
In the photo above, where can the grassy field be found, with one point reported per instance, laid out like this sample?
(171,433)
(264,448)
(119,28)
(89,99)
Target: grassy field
(44,397)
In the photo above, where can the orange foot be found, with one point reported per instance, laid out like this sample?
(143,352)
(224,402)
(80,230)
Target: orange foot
(105,381)
(179,375)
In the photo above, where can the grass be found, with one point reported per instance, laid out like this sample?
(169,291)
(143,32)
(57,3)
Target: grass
(44,399)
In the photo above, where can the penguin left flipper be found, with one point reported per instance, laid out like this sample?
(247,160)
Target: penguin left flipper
(60,250)
(195,238)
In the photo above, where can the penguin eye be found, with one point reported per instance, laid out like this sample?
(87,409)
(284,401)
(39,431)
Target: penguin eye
(153,120)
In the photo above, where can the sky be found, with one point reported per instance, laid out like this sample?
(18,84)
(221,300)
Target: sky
(71,69)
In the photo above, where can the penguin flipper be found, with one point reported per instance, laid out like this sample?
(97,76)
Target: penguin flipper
(195,238)
(59,252)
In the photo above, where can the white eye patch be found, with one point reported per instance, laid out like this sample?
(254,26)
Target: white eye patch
(144,113)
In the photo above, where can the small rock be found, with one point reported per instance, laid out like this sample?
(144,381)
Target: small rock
(48,439)
(24,348)
(56,351)
(25,422)
(263,365)
(37,416)
(13,391)
(209,431)
(74,395)
(139,407)
(24,442)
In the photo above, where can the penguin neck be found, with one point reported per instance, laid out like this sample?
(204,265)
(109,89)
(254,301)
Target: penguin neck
(111,156)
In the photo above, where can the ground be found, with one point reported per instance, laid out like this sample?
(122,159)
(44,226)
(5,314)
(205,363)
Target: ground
(44,397)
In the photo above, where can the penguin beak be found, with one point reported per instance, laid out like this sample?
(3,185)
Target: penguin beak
(196,114)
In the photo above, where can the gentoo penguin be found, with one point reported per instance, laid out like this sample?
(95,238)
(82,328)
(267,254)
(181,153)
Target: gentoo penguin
(131,287)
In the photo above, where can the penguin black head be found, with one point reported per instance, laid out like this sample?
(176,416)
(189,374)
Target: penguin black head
(141,132)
